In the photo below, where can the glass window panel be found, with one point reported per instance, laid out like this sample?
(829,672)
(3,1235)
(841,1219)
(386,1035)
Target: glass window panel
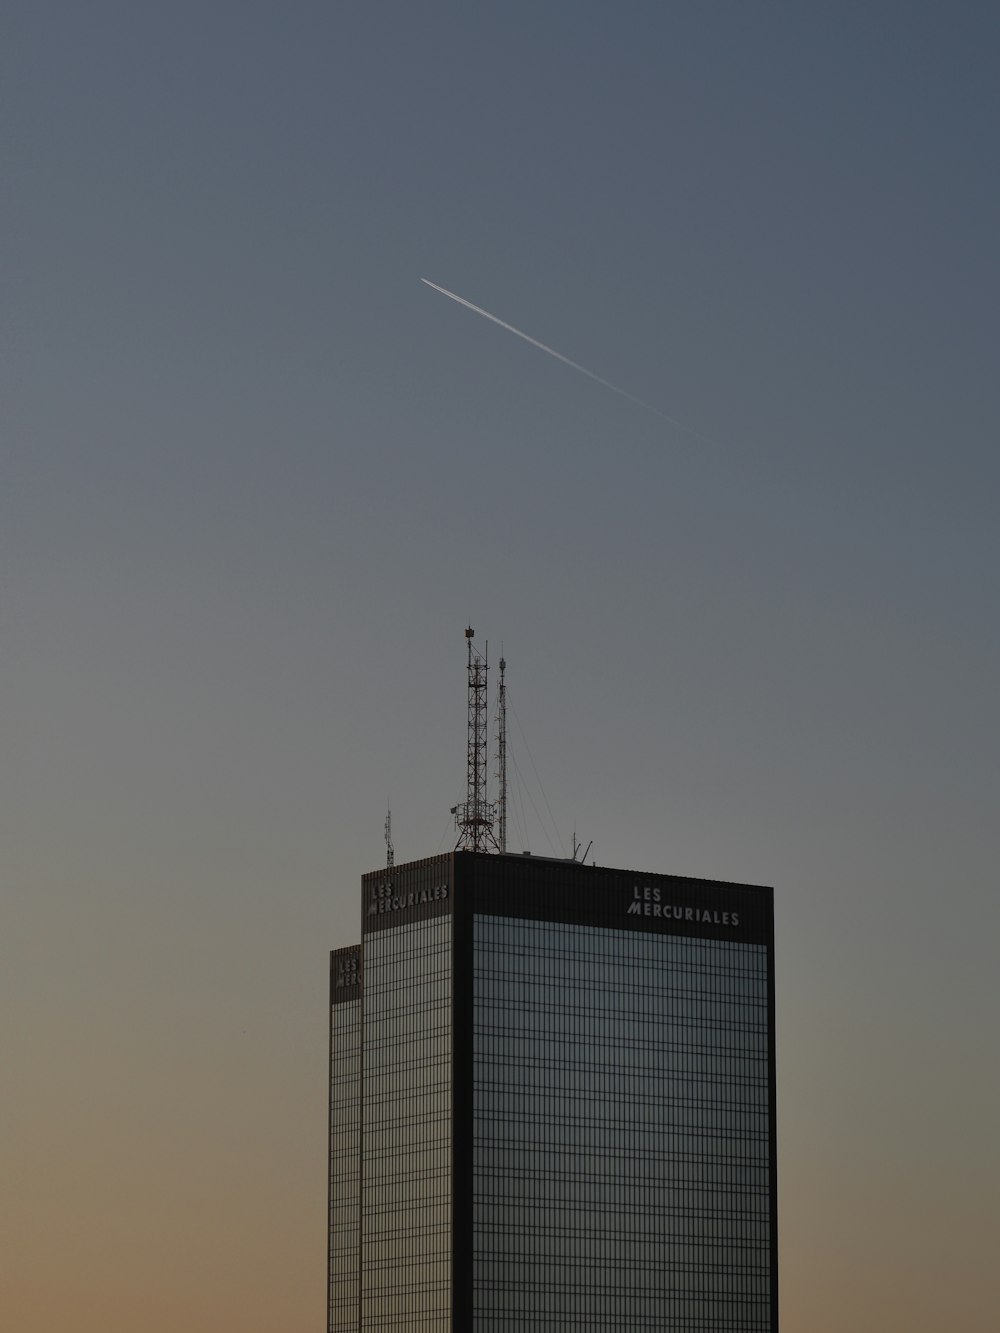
(621,1130)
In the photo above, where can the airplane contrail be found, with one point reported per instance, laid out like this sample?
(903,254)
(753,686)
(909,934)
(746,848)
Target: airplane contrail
(623,393)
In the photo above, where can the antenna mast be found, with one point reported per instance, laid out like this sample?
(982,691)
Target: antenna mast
(476,817)
(390,854)
(502,755)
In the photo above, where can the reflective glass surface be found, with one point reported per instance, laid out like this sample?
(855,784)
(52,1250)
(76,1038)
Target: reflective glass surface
(621,1153)
(406,1150)
(345,1151)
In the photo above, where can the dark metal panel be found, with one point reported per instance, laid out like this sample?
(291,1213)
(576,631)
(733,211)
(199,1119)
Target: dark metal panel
(566,891)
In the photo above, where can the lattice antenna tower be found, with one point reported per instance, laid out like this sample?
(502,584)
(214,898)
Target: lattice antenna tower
(476,818)
(502,756)
(390,854)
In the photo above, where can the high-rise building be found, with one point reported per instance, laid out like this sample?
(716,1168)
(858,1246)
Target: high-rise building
(552,1102)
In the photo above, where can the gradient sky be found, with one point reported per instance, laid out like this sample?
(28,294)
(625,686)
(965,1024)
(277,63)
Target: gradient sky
(256,479)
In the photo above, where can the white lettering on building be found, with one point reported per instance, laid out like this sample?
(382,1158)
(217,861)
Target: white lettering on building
(387,899)
(647,900)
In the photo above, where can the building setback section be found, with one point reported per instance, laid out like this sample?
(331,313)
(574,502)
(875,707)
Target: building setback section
(564,1118)
(344,1207)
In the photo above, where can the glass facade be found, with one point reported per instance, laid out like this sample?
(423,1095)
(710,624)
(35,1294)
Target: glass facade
(621,1142)
(551,1103)
(406,1242)
(345,1142)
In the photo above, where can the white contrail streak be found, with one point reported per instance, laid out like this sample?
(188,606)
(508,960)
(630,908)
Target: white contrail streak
(564,359)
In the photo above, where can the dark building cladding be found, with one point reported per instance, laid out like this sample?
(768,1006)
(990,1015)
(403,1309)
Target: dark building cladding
(552,1098)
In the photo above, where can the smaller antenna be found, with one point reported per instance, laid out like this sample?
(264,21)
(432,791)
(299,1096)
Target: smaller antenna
(502,755)
(578,845)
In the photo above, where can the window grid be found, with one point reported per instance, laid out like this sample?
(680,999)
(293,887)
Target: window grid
(406,1153)
(621,1132)
(345,1145)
